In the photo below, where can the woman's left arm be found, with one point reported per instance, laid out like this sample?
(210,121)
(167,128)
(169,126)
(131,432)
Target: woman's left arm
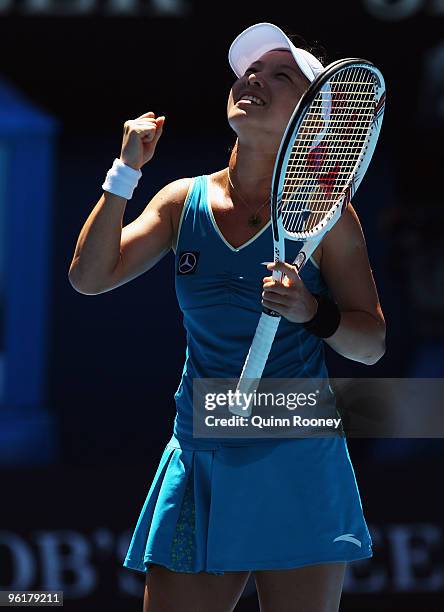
(346,270)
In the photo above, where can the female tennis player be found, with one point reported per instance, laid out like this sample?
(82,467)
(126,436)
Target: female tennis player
(286,510)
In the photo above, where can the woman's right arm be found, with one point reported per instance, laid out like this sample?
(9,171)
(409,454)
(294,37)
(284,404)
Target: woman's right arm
(107,255)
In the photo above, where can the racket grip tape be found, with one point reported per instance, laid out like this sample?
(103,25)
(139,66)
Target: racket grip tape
(256,359)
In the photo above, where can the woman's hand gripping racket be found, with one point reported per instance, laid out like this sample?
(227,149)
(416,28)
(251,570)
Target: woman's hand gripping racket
(323,156)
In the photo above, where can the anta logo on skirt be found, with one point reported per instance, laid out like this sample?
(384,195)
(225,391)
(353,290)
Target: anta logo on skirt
(348,537)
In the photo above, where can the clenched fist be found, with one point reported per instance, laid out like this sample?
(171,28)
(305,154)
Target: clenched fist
(140,137)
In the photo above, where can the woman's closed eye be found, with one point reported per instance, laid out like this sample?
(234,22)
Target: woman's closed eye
(278,74)
(285,75)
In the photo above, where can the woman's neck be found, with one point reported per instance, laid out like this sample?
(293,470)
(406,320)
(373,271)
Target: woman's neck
(250,172)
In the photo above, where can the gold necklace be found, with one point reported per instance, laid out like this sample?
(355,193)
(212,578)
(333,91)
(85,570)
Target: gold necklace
(254,219)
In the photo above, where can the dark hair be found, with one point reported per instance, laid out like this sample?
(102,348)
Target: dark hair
(315,48)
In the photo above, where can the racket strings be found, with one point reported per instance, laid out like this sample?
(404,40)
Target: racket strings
(330,172)
(328,147)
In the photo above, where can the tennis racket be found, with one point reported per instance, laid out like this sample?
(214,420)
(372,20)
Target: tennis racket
(324,154)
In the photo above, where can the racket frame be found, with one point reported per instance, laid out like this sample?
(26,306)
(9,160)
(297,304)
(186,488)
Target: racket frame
(269,320)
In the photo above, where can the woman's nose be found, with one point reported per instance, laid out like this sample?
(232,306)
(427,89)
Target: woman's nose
(252,78)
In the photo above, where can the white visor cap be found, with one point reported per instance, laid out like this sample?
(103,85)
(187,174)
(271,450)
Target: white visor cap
(258,39)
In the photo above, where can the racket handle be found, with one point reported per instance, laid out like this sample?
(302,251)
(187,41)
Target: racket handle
(256,360)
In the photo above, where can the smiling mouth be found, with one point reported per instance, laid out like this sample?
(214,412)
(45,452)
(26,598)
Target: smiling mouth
(250,103)
(249,97)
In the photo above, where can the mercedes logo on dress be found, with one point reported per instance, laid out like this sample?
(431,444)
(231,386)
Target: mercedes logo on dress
(187,262)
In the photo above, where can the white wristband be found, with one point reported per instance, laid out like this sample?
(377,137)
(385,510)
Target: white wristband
(121,179)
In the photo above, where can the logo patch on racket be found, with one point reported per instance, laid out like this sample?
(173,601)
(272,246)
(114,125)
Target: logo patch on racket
(300,260)
(187,263)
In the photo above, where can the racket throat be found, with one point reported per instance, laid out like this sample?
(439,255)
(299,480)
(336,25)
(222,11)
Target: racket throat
(270,313)
(279,250)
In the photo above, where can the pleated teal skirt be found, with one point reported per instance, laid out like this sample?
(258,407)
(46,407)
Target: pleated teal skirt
(276,505)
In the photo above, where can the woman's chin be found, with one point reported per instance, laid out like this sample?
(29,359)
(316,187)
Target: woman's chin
(239,117)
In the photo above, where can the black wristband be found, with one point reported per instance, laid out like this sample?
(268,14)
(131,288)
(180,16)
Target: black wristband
(327,318)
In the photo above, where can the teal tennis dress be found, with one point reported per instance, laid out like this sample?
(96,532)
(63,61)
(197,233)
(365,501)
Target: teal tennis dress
(218,505)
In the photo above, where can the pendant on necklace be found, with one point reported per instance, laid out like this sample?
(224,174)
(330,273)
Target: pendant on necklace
(254,220)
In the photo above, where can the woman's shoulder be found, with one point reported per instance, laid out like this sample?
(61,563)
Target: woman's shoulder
(217,184)
(348,228)
(178,192)
(180,189)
